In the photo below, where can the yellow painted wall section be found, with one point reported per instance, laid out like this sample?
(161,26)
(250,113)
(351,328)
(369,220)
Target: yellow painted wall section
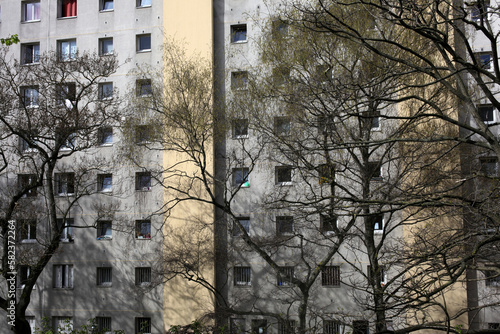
(190,23)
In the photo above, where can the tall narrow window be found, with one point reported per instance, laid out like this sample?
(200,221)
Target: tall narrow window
(67,8)
(31,11)
(66,225)
(104,230)
(63,276)
(331,327)
(30,53)
(377,221)
(285,276)
(26,230)
(29,96)
(23,275)
(143,229)
(26,183)
(143,181)
(375,170)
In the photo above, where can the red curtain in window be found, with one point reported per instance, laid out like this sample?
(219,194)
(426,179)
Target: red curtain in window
(69,8)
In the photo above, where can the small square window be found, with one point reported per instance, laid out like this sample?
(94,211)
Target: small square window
(492,278)
(331,327)
(377,221)
(30,53)
(143,3)
(240,128)
(30,11)
(143,181)
(280,29)
(26,230)
(142,276)
(106,5)
(245,222)
(285,276)
(142,134)
(330,276)
(29,97)
(375,170)
(105,90)
(104,230)
(486,113)
(66,140)
(104,276)
(143,87)
(283,175)
(63,276)
(66,94)
(64,184)
(144,43)
(67,49)
(239,33)
(143,229)
(489,166)
(281,75)
(259,326)
(105,46)
(282,126)
(105,136)
(484,59)
(239,80)
(142,325)
(284,225)
(240,177)
(67,8)
(66,227)
(286,327)
(26,182)
(242,276)
(103,324)
(105,182)
(328,224)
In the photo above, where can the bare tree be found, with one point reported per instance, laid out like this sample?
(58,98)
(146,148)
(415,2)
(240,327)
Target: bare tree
(51,111)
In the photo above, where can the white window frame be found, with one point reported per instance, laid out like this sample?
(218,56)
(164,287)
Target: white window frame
(34,53)
(67,49)
(31,225)
(378,223)
(30,7)
(139,40)
(493,113)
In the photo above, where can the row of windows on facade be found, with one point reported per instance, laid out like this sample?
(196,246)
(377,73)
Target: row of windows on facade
(64,183)
(67,50)
(31,10)
(64,325)
(27,229)
(285,225)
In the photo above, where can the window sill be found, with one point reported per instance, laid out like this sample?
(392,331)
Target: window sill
(106,10)
(30,21)
(28,241)
(106,55)
(66,241)
(66,17)
(65,195)
(378,129)
(142,238)
(104,286)
(328,233)
(241,137)
(239,42)
(106,191)
(248,285)
(378,232)
(31,64)
(104,237)
(139,7)
(144,51)
(143,190)
(286,184)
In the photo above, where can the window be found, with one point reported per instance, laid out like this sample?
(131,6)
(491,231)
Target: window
(239,80)
(330,276)
(103,324)
(280,29)
(493,325)
(29,96)
(237,326)
(245,222)
(67,49)
(23,274)
(63,276)
(26,183)
(240,177)
(492,278)
(67,229)
(375,170)
(142,134)
(286,327)
(26,230)
(282,126)
(284,225)
(106,5)
(67,8)
(360,327)
(143,3)
(281,75)
(143,229)
(240,128)
(479,10)
(489,166)
(65,183)
(239,33)
(486,113)
(105,46)
(63,325)
(242,276)
(67,140)
(32,321)
(259,326)
(104,276)
(143,87)
(380,276)
(377,221)
(105,136)
(331,327)
(328,224)
(142,325)
(143,181)
(484,59)
(326,174)
(105,182)
(66,94)
(105,90)
(283,175)
(285,276)
(375,117)
(104,230)
(144,43)
(142,276)
(30,11)
(30,53)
